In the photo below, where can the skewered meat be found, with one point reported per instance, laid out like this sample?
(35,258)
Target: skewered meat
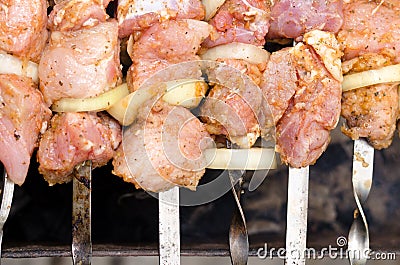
(74,138)
(23,114)
(370,28)
(245,21)
(312,98)
(164,148)
(233,111)
(165,44)
(23,28)
(75,14)
(370,38)
(293,18)
(80,64)
(278,85)
(371,112)
(137,15)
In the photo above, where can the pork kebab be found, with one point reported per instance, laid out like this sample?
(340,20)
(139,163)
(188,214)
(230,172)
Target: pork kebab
(23,112)
(300,95)
(165,45)
(370,39)
(165,146)
(301,86)
(80,61)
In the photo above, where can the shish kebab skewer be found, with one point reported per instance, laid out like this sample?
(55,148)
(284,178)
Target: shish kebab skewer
(370,39)
(276,93)
(313,73)
(232,109)
(84,42)
(23,114)
(16,82)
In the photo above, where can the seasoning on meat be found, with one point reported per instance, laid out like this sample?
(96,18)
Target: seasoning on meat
(75,14)
(138,15)
(23,28)
(305,99)
(23,115)
(370,39)
(162,149)
(80,64)
(74,138)
(165,44)
(233,111)
(245,21)
(292,18)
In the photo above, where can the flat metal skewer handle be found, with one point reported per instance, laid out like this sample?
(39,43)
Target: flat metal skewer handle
(238,236)
(363,167)
(169,227)
(8,192)
(297,207)
(81,215)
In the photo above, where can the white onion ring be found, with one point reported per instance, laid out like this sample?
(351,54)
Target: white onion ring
(211,7)
(387,74)
(241,159)
(236,50)
(99,103)
(12,65)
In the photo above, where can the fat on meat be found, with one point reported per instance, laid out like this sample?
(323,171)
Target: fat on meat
(165,44)
(233,111)
(244,21)
(138,15)
(23,30)
(306,103)
(80,64)
(292,18)
(162,149)
(75,14)
(23,115)
(370,27)
(73,138)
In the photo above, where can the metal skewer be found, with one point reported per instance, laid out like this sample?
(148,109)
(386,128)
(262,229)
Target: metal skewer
(8,192)
(358,241)
(81,215)
(169,227)
(238,237)
(296,224)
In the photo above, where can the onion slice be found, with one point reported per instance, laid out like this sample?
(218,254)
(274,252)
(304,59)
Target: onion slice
(385,74)
(236,50)
(211,7)
(99,103)
(241,159)
(183,92)
(12,65)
